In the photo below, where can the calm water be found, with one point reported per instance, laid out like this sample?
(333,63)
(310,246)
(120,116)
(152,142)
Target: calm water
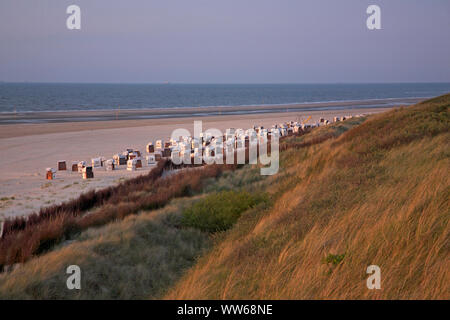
(26,97)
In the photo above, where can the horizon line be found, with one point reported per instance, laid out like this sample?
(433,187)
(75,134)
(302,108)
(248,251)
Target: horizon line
(222,83)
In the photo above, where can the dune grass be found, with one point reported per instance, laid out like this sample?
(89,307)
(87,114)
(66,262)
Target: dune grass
(378,194)
(136,258)
(25,238)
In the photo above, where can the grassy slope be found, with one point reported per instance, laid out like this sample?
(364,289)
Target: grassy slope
(132,259)
(137,258)
(379,194)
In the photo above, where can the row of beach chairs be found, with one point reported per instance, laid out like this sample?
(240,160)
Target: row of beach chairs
(188,146)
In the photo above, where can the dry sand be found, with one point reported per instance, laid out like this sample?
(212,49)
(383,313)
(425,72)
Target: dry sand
(28,149)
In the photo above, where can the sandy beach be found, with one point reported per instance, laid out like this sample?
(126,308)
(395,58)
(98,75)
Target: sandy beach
(28,149)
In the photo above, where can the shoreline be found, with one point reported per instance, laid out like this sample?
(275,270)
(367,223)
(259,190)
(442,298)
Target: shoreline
(31,129)
(29,117)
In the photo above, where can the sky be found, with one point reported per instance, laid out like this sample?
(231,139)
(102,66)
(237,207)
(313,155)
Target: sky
(225,41)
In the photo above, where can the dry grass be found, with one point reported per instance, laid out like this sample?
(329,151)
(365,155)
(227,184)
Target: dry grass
(136,258)
(24,239)
(379,194)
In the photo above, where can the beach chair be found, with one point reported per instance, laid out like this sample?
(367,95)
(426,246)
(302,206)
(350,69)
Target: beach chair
(50,175)
(62,165)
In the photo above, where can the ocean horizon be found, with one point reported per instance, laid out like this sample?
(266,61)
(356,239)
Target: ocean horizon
(56,97)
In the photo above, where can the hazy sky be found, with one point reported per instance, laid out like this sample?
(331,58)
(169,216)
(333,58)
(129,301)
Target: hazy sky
(225,41)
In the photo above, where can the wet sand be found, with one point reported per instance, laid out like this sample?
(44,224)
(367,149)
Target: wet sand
(58,121)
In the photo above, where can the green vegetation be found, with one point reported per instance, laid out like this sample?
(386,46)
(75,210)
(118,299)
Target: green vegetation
(334,259)
(219,211)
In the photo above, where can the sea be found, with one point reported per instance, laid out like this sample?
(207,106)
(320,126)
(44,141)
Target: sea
(48,97)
